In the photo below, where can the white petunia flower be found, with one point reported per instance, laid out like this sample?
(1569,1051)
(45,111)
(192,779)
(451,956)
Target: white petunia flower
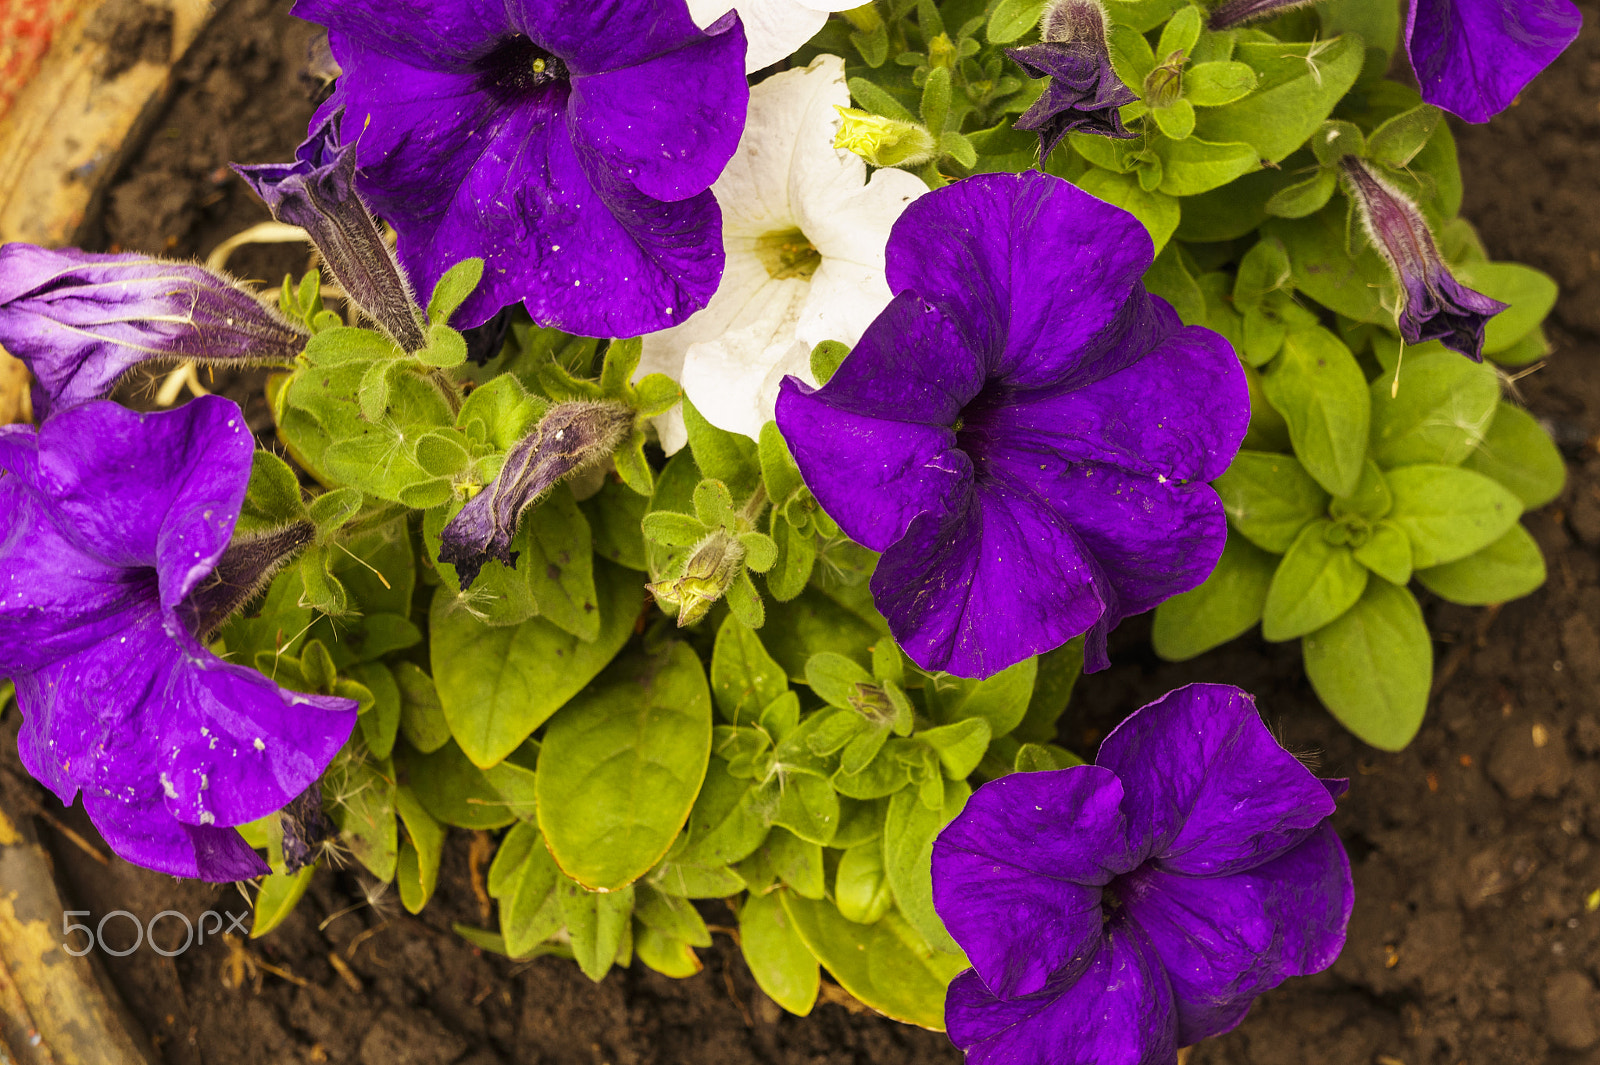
(804,233)
(774,29)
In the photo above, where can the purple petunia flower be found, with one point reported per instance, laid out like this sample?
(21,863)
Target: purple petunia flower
(1114,912)
(1084,93)
(1025,432)
(1434,305)
(115,523)
(570,145)
(81,320)
(1472,57)
(317,193)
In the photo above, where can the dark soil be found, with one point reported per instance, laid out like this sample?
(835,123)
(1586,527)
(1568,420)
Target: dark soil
(1475,851)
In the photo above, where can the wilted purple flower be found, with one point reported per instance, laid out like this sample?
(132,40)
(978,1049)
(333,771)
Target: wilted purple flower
(1084,93)
(1114,912)
(1025,432)
(570,145)
(1434,305)
(1472,57)
(571,436)
(1233,13)
(81,320)
(116,522)
(317,193)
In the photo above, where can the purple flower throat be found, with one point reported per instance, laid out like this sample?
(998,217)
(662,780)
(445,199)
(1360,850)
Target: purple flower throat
(519,71)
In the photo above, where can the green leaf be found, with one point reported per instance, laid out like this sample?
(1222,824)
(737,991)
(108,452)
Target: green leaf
(1369,502)
(381,721)
(615,515)
(279,894)
(778,958)
(795,861)
(1316,582)
(1293,94)
(1216,84)
(506,409)
(808,807)
(1387,553)
(424,843)
(498,684)
(272,498)
(1002,699)
(835,678)
(1531,293)
(960,746)
(621,765)
(446,348)
(1361,288)
(527,879)
(559,565)
(1010,19)
(422,720)
(1507,569)
(1440,412)
(861,885)
(1318,387)
(886,965)
(1158,212)
(725,825)
(1229,602)
(1180,32)
(452,289)
(361,797)
(1373,666)
(744,677)
(1176,121)
(1304,198)
(1448,512)
(908,836)
(811,623)
(936,99)
(1518,453)
(1398,140)
(1195,165)
(1058,673)
(597,923)
(878,101)
(455,791)
(826,358)
(722,456)
(1269,498)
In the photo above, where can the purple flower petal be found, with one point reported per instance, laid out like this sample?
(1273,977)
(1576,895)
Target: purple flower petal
(1043,278)
(877,448)
(439,35)
(1018,874)
(1225,940)
(998,579)
(142,834)
(1472,57)
(135,489)
(1207,787)
(1118,1012)
(572,149)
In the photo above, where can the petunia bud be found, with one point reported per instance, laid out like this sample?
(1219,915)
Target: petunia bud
(1435,306)
(1237,12)
(570,437)
(82,320)
(242,572)
(1084,93)
(317,192)
(713,566)
(884,141)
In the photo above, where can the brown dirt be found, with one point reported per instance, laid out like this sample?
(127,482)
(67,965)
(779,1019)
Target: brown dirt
(1474,850)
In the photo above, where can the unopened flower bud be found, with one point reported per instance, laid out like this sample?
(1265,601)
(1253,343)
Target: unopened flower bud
(1434,305)
(884,141)
(713,566)
(82,320)
(570,437)
(1084,93)
(1238,12)
(243,571)
(317,192)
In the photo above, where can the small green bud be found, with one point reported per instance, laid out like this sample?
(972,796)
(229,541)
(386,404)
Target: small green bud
(884,141)
(711,569)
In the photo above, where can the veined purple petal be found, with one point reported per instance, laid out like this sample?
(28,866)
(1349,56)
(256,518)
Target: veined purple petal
(1119,1011)
(878,447)
(1018,874)
(1043,278)
(1225,940)
(145,835)
(995,580)
(149,489)
(437,35)
(1472,57)
(1207,786)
